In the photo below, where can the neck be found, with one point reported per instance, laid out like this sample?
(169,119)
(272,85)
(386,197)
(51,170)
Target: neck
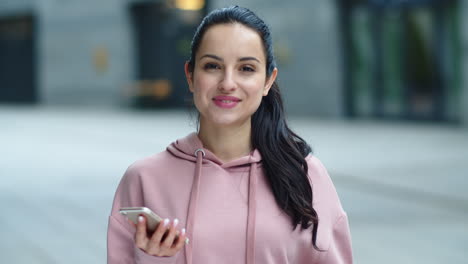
(227,143)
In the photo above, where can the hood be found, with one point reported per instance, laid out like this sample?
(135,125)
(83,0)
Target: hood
(185,148)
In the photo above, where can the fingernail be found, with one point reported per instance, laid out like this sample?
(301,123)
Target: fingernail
(166,222)
(183,231)
(141,219)
(176,222)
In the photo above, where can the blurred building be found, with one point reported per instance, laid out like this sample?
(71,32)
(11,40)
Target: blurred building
(464,99)
(85,52)
(342,58)
(403,59)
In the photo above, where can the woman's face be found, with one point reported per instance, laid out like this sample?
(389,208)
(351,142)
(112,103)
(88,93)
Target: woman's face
(229,77)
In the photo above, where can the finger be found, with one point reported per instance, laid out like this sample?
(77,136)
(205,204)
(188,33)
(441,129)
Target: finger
(186,240)
(169,240)
(155,241)
(181,240)
(141,239)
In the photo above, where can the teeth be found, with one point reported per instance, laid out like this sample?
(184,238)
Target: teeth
(226,101)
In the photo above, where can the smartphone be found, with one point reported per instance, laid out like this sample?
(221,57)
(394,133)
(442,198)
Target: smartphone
(152,219)
(132,214)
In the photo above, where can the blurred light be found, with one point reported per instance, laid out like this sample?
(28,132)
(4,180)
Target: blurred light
(191,18)
(190,4)
(101,59)
(160,89)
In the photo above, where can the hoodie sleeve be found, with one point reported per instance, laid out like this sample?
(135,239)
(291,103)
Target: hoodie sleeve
(339,251)
(121,247)
(334,233)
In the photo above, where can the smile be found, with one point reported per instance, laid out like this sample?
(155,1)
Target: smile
(226,101)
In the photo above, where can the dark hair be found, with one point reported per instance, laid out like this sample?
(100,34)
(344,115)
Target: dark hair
(283,152)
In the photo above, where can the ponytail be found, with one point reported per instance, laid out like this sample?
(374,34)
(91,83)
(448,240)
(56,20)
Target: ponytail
(283,157)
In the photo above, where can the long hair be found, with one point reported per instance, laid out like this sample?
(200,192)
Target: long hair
(283,152)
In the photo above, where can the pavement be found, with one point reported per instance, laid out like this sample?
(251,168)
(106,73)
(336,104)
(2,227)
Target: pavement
(402,184)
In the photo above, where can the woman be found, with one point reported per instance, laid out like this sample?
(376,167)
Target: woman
(245,188)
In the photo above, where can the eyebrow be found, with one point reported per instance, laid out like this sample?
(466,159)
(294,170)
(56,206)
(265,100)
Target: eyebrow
(221,59)
(249,58)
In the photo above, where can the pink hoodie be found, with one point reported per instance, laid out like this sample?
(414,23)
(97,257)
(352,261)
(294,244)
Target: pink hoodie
(228,209)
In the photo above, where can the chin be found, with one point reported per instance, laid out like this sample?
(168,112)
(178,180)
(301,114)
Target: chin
(227,119)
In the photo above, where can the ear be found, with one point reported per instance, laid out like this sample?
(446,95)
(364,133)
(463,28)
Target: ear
(188,76)
(270,81)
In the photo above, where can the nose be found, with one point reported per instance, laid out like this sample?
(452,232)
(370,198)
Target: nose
(227,83)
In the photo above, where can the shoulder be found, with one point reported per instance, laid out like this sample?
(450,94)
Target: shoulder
(314,163)
(325,195)
(148,173)
(150,162)
(316,170)
(150,166)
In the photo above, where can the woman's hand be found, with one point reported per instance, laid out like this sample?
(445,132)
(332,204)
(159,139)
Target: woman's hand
(166,241)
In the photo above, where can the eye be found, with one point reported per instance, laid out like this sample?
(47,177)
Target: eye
(211,66)
(247,69)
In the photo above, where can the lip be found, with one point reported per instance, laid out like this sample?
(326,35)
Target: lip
(226,98)
(224,101)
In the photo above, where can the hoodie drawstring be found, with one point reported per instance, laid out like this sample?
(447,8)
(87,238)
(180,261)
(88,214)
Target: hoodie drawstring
(199,153)
(252,204)
(250,256)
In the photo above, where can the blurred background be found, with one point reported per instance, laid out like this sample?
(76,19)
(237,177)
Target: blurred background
(377,87)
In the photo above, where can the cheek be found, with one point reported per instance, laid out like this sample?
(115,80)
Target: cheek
(202,84)
(201,89)
(203,81)
(255,89)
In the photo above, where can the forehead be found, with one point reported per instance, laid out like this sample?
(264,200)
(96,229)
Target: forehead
(232,41)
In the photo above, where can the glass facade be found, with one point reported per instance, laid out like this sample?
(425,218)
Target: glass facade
(402,60)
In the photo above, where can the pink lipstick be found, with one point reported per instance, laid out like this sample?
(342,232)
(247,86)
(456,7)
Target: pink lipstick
(226,101)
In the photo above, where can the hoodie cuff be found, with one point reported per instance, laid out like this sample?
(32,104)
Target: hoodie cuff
(142,257)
